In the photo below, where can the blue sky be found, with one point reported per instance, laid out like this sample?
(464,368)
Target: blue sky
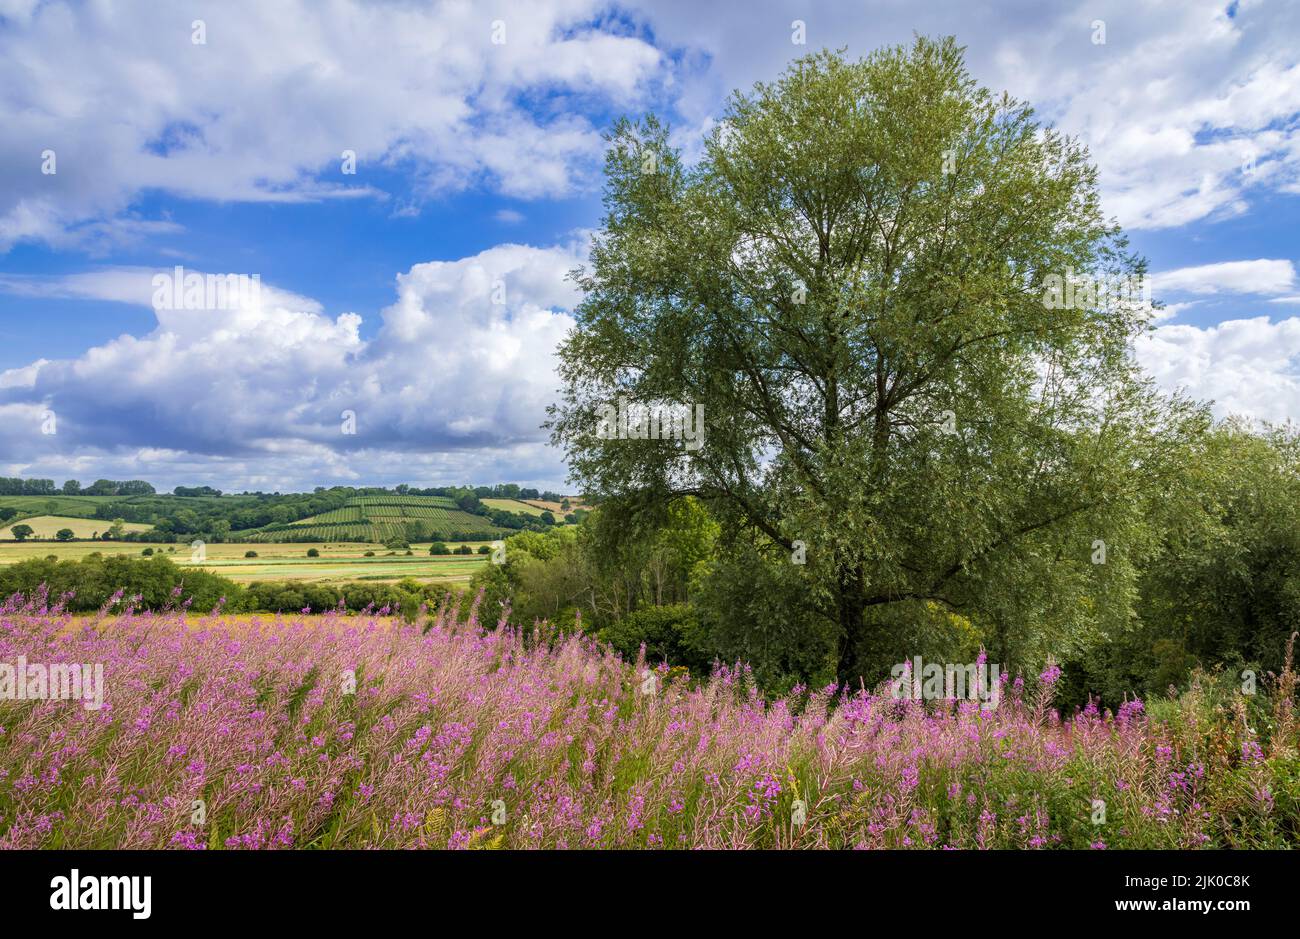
(477,163)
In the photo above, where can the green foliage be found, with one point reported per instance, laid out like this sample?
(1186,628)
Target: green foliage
(893,415)
(671,633)
(91,581)
(1220,580)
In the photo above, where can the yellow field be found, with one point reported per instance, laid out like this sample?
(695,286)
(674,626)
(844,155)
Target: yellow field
(552,507)
(46,526)
(512,505)
(338,563)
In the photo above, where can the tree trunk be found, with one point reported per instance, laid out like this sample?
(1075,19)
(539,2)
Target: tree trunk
(852,624)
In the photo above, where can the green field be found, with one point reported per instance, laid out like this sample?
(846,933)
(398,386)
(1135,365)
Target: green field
(47,526)
(383,518)
(78,506)
(513,505)
(338,563)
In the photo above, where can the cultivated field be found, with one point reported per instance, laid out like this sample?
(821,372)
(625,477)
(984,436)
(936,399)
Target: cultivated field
(382,518)
(47,526)
(513,505)
(338,563)
(83,506)
(555,508)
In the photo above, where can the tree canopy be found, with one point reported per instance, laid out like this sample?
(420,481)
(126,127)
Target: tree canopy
(909,427)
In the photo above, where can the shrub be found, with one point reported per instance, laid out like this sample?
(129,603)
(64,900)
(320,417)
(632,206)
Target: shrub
(671,633)
(484,549)
(439,548)
(93,580)
(250,554)
(313,553)
(147,552)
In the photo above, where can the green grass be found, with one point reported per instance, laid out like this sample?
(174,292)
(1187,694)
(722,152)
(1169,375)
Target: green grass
(338,563)
(78,506)
(384,518)
(513,505)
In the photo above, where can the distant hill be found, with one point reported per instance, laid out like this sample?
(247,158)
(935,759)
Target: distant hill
(381,518)
(47,526)
(339,513)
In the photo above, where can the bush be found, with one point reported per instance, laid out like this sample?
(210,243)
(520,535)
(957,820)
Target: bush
(313,553)
(670,633)
(250,554)
(93,580)
(147,552)
(464,549)
(484,549)
(439,548)
(369,554)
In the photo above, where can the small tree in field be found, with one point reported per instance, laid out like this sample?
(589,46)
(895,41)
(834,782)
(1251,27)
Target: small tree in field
(313,553)
(64,534)
(22,532)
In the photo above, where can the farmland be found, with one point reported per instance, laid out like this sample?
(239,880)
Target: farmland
(382,518)
(337,563)
(47,526)
(513,505)
(555,508)
(80,506)
(365,515)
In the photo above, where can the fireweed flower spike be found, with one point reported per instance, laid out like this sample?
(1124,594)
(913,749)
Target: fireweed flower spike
(453,714)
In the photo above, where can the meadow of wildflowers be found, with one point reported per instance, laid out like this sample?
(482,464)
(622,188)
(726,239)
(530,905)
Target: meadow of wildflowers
(361,731)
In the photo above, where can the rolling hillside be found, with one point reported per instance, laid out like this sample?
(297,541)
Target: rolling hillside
(380,518)
(46,526)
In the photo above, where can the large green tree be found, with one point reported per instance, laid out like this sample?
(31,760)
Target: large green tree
(903,422)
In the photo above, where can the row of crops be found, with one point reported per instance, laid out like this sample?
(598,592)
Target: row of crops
(369,502)
(384,518)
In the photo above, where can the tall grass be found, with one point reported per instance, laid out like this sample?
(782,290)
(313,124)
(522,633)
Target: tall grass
(247,734)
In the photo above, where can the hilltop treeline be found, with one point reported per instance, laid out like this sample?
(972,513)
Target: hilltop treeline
(17,486)
(209,514)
